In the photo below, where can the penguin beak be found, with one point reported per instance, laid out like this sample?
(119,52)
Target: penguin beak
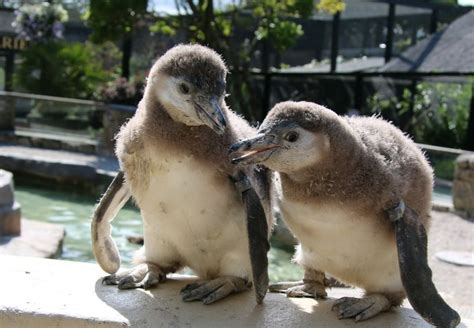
(253,150)
(211,114)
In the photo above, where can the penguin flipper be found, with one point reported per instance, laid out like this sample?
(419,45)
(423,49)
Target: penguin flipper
(257,230)
(415,272)
(104,247)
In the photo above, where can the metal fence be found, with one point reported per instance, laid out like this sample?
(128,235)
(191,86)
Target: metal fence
(412,101)
(90,126)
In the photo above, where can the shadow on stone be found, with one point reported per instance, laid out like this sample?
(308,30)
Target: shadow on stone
(162,307)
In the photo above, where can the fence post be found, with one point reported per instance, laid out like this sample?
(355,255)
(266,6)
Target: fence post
(7,103)
(335,40)
(267,79)
(359,92)
(469,143)
(434,21)
(9,66)
(389,39)
(7,115)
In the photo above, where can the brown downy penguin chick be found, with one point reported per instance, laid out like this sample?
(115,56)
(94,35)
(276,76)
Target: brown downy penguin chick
(173,154)
(340,178)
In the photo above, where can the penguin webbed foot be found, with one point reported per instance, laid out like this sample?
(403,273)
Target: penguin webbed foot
(144,276)
(361,308)
(312,289)
(210,291)
(313,285)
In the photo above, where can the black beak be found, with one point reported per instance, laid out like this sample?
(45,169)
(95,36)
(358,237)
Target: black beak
(211,114)
(253,150)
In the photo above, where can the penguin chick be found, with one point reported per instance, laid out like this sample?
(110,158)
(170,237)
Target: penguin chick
(173,154)
(339,177)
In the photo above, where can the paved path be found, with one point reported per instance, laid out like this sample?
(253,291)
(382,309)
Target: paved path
(56,163)
(451,232)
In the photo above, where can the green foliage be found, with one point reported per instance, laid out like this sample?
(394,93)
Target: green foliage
(438,116)
(163,26)
(60,69)
(331,6)
(444,168)
(274,22)
(275,27)
(107,55)
(284,34)
(110,20)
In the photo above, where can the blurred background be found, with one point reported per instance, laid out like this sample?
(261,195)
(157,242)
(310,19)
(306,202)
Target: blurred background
(71,72)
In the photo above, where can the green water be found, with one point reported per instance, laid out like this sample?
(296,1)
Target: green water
(73,210)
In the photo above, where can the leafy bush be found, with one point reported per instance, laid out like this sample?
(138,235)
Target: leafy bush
(438,116)
(50,66)
(40,22)
(60,69)
(123,91)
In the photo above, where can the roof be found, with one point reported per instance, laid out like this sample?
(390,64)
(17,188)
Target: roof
(449,50)
(343,66)
(363,9)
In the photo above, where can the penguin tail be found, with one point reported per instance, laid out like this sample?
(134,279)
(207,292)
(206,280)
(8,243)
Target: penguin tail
(104,247)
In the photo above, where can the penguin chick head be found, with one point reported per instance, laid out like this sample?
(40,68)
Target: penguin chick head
(189,81)
(293,136)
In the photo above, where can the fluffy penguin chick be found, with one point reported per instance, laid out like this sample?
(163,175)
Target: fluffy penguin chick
(339,176)
(173,153)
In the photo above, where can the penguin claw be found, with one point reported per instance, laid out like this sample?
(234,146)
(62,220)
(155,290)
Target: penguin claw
(142,276)
(306,288)
(213,290)
(361,308)
(300,289)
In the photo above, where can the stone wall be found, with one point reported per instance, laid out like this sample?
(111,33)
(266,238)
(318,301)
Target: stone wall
(10,212)
(114,117)
(463,188)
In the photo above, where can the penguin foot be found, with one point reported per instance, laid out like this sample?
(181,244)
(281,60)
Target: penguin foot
(145,275)
(303,288)
(211,291)
(361,308)
(313,285)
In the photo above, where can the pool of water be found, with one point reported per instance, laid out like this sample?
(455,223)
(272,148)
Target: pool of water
(73,210)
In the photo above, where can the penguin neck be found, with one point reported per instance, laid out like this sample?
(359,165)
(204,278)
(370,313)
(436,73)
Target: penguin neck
(330,175)
(199,142)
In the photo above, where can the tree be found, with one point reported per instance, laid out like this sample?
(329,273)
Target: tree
(116,20)
(274,26)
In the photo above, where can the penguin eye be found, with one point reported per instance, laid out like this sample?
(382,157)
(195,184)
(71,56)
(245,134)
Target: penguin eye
(292,136)
(184,88)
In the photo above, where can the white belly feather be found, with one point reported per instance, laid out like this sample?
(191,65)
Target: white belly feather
(194,217)
(353,249)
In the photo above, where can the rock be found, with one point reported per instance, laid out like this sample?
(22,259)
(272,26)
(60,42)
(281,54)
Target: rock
(457,258)
(10,212)
(463,186)
(10,220)
(6,188)
(38,239)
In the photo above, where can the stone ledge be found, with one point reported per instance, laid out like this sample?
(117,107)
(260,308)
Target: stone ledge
(57,165)
(52,293)
(37,239)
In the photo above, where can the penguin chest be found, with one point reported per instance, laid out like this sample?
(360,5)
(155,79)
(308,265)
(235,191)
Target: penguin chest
(195,209)
(180,188)
(334,239)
